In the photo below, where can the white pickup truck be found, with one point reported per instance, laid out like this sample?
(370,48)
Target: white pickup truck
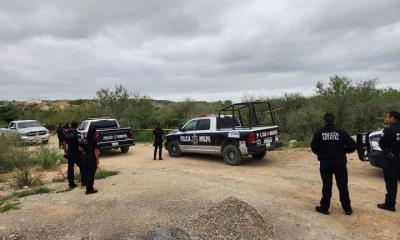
(31,131)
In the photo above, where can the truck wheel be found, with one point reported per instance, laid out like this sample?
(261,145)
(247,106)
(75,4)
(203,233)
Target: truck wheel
(232,155)
(259,156)
(124,149)
(174,150)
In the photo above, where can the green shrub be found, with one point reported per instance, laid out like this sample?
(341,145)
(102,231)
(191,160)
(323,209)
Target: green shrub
(35,191)
(100,174)
(8,152)
(9,206)
(47,158)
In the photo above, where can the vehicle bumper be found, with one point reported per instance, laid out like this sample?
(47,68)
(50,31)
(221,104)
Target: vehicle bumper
(36,139)
(115,144)
(376,158)
(257,149)
(276,144)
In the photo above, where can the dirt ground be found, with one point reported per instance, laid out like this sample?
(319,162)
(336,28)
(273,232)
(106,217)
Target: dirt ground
(284,188)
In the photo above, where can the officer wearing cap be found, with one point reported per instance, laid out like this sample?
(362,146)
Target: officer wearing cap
(331,144)
(74,155)
(390,144)
(158,134)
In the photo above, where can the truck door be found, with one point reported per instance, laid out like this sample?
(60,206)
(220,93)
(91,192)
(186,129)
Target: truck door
(187,139)
(205,138)
(13,126)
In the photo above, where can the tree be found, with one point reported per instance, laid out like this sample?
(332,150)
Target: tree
(9,112)
(114,103)
(336,96)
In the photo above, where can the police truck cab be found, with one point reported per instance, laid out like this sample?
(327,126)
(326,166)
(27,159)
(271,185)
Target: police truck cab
(236,131)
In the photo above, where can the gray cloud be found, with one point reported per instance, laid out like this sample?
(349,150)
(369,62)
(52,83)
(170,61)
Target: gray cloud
(201,49)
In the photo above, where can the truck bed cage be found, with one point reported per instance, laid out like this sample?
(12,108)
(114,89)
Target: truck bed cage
(250,114)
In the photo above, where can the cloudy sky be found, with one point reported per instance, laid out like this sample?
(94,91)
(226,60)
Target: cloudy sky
(203,49)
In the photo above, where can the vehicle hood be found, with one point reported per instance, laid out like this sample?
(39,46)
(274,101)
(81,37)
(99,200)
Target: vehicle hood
(32,129)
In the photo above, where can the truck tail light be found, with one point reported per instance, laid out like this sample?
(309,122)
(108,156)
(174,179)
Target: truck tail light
(252,138)
(97,136)
(130,134)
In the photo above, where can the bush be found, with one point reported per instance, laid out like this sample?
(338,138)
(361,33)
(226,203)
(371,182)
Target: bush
(145,136)
(47,158)
(8,151)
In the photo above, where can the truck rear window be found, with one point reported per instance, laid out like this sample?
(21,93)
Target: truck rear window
(228,122)
(105,124)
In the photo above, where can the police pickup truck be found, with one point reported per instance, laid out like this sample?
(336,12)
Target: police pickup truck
(237,130)
(368,148)
(109,134)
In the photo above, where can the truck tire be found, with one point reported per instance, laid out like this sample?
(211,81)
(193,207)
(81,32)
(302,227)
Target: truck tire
(174,150)
(232,155)
(125,149)
(259,156)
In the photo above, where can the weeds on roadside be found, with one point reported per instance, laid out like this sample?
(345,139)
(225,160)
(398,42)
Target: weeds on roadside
(9,206)
(8,149)
(47,158)
(100,174)
(11,201)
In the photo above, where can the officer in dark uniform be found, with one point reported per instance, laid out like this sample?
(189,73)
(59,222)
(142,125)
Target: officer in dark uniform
(74,155)
(157,141)
(60,135)
(90,159)
(390,144)
(331,144)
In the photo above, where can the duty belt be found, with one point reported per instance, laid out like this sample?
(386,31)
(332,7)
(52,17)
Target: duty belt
(393,155)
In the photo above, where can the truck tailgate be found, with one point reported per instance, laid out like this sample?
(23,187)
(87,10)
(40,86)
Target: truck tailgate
(114,137)
(268,136)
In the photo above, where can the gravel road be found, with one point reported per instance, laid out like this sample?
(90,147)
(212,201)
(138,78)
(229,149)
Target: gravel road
(284,188)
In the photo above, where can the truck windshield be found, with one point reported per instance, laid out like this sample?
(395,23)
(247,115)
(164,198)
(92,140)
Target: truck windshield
(29,124)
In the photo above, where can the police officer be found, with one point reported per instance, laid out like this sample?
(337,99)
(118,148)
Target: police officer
(157,141)
(60,135)
(74,155)
(90,159)
(331,144)
(390,144)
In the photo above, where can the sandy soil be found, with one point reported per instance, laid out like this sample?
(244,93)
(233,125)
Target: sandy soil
(284,188)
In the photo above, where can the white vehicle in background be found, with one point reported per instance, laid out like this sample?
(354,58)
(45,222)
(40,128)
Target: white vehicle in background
(30,131)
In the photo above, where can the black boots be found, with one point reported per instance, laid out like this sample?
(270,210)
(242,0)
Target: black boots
(321,210)
(384,206)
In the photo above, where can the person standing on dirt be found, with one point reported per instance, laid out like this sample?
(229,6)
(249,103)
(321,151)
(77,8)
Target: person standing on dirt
(90,159)
(158,134)
(331,144)
(60,135)
(390,144)
(73,154)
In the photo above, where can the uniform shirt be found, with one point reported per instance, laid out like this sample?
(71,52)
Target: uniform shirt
(89,147)
(72,140)
(158,133)
(60,132)
(390,140)
(331,144)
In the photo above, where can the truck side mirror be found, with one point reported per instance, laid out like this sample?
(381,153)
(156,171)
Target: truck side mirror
(180,129)
(13,128)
